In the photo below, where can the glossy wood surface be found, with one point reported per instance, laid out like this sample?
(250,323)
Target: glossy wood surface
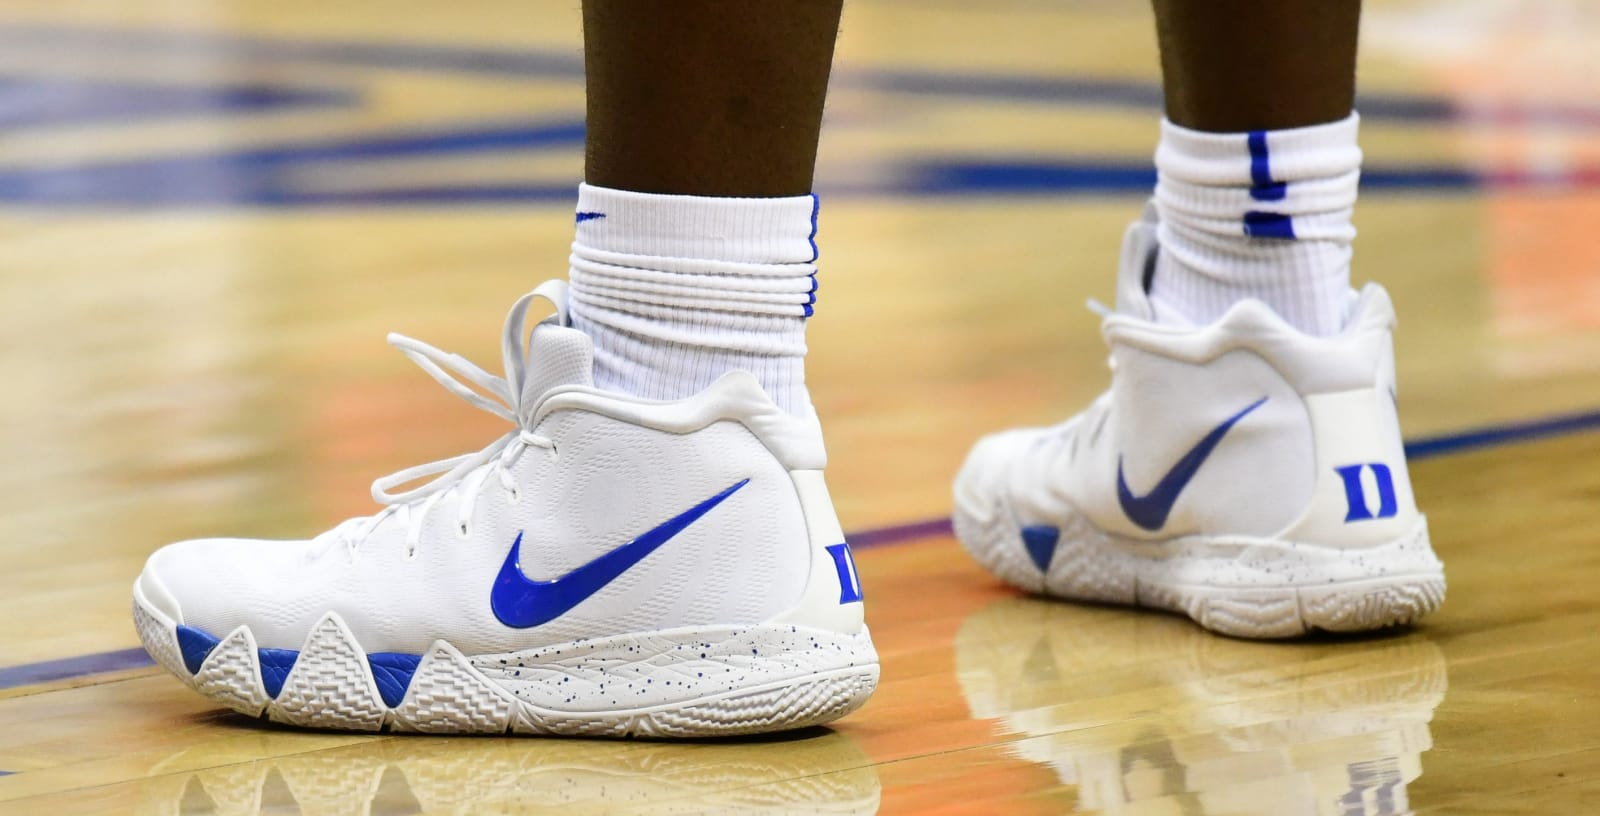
(195,346)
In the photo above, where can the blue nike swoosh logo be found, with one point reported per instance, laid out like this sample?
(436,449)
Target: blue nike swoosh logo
(520,602)
(1150,510)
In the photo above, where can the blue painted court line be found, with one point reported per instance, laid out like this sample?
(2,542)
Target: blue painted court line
(568,65)
(900,533)
(215,47)
(1444,444)
(40,101)
(267,177)
(1089,177)
(1423,448)
(68,667)
(1097,92)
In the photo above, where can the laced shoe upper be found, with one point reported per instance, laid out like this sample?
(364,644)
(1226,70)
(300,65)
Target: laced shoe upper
(580,473)
(1210,430)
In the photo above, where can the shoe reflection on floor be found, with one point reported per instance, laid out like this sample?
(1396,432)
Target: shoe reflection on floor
(811,771)
(1149,714)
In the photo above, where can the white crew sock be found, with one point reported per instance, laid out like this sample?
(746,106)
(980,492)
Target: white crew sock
(678,290)
(1262,215)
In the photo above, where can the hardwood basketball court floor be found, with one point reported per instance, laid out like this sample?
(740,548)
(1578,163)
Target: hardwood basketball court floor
(211,213)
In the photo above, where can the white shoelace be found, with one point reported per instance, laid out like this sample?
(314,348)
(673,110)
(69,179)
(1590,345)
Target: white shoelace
(465,474)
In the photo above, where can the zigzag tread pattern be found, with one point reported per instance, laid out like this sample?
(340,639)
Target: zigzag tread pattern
(160,641)
(231,675)
(1084,570)
(1087,567)
(448,697)
(1394,603)
(811,702)
(989,542)
(329,687)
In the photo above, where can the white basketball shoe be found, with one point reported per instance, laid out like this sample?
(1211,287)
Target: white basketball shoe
(1243,473)
(611,566)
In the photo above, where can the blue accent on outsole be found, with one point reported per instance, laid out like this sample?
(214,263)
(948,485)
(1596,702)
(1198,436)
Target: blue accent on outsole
(195,646)
(392,671)
(1040,542)
(275,667)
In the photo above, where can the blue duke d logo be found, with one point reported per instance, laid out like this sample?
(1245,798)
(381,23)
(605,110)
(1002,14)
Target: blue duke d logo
(1356,494)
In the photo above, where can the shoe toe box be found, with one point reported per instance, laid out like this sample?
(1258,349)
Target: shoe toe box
(988,468)
(218,584)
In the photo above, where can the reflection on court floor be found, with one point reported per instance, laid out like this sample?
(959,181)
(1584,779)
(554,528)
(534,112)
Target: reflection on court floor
(211,211)
(1149,715)
(813,772)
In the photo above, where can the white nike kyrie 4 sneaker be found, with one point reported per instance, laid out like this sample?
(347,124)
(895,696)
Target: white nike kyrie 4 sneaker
(610,566)
(1243,473)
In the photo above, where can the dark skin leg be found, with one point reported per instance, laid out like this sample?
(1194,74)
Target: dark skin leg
(1230,66)
(706,97)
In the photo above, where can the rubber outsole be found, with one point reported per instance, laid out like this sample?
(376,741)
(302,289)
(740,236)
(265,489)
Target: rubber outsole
(1225,585)
(708,682)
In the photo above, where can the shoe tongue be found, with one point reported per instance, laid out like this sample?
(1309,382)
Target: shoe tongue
(557,356)
(1139,249)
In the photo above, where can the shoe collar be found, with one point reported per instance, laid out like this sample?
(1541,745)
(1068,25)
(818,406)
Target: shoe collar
(1365,310)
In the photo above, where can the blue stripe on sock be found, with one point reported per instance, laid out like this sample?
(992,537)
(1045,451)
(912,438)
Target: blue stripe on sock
(816,204)
(1263,188)
(1260,171)
(1268,225)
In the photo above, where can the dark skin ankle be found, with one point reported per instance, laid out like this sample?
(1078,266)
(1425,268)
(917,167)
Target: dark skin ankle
(1230,66)
(706,97)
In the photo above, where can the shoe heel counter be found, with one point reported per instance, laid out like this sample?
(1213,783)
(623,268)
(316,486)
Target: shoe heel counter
(832,599)
(1361,493)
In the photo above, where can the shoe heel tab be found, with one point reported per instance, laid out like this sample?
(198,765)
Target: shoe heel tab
(1373,310)
(832,599)
(795,441)
(1140,246)
(1352,359)
(1362,492)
